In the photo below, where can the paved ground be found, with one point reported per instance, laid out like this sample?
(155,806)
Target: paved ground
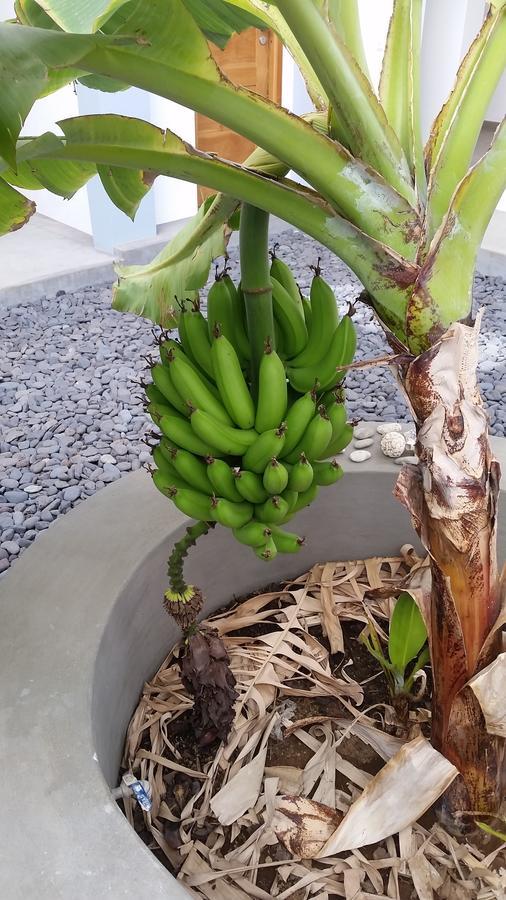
(71,417)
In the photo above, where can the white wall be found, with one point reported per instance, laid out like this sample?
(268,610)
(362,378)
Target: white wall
(374,18)
(174,199)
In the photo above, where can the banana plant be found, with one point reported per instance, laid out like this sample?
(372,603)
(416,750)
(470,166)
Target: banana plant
(407,218)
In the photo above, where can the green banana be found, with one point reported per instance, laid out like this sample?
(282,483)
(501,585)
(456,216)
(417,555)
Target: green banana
(227,440)
(338,444)
(275,477)
(267,445)
(170,350)
(290,319)
(337,415)
(335,395)
(298,418)
(250,486)
(162,380)
(285,541)
(325,372)
(223,479)
(326,473)
(324,321)
(231,515)
(183,337)
(253,534)
(154,395)
(268,551)
(219,310)
(168,346)
(272,391)
(158,410)
(165,482)
(231,383)
(305,498)
(180,432)
(193,390)
(195,340)
(301,475)
(284,275)
(163,464)
(238,311)
(291,498)
(272,511)
(191,469)
(315,439)
(192,503)
(348,349)
(308,314)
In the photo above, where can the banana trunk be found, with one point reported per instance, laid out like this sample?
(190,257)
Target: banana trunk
(452,497)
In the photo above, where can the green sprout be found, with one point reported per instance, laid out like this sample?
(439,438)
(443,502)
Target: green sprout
(408,651)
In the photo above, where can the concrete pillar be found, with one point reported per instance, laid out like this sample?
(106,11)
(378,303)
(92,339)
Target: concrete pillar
(111,227)
(449,27)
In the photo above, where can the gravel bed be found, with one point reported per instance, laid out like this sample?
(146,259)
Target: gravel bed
(71,415)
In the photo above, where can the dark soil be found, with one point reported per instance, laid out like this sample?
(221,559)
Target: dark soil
(291,751)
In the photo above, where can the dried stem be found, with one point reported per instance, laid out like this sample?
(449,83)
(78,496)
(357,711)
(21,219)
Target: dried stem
(452,497)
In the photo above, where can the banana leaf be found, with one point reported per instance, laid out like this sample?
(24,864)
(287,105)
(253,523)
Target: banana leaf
(15,210)
(79,17)
(476,84)
(446,277)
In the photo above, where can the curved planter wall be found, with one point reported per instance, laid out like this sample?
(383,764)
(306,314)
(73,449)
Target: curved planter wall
(82,627)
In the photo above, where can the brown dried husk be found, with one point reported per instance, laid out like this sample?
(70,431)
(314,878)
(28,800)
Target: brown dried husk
(236,802)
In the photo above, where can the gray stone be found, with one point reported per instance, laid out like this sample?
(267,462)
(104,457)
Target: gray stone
(72,493)
(4,565)
(15,496)
(6,521)
(362,444)
(12,547)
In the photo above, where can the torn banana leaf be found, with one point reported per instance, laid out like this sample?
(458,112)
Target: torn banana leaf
(180,270)
(15,210)
(396,797)
(488,687)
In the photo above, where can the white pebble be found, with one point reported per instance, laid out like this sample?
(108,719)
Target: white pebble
(406,460)
(359,456)
(385,427)
(363,432)
(107,458)
(365,442)
(32,488)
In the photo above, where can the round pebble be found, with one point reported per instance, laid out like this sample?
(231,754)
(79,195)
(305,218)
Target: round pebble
(362,444)
(358,456)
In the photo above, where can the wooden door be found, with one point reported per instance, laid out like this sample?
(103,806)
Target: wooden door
(252,59)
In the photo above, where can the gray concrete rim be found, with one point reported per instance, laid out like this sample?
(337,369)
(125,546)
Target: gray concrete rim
(60,612)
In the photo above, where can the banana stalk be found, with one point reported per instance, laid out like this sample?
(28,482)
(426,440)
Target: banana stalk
(256,284)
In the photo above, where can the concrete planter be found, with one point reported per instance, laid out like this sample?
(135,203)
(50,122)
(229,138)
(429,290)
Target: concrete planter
(82,627)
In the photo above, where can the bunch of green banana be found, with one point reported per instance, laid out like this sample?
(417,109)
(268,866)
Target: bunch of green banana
(250,461)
